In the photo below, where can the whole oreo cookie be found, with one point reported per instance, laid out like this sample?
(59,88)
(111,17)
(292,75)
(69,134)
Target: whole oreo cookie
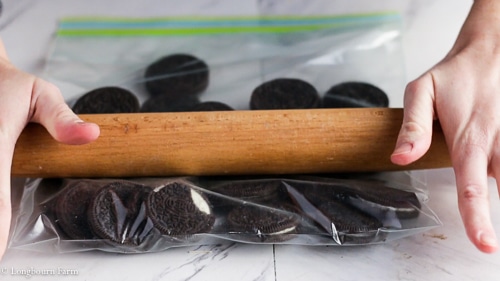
(211,106)
(118,213)
(48,190)
(254,190)
(228,195)
(347,224)
(177,209)
(71,208)
(371,196)
(47,193)
(177,74)
(107,100)
(285,93)
(355,94)
(170,104)
(263,224)
(376,197)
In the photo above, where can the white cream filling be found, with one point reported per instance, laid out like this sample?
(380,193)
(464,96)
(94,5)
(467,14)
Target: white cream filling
(284,231)
(200,202)
(385,207)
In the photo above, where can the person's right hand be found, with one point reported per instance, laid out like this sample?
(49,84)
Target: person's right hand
(463,93)
(25,98)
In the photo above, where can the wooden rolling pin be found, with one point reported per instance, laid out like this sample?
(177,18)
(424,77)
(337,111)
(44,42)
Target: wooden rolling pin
(225,143)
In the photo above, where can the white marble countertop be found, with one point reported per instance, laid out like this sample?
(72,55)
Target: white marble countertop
(443,253)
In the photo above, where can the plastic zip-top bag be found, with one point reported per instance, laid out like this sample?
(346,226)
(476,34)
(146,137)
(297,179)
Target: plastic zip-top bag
(230,57)
(118,65)
(155,214)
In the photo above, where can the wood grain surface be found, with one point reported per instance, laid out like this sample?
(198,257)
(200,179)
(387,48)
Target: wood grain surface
(226,143)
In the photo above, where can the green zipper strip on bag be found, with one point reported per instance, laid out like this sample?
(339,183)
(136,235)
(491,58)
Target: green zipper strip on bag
(187,31)
(177,26)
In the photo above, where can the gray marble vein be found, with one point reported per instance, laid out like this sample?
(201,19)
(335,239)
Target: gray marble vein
(200,258)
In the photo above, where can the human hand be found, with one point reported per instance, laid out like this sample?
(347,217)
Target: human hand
(25,98)
(463,93)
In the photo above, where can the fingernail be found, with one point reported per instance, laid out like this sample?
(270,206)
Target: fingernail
(403,149)
(487,240)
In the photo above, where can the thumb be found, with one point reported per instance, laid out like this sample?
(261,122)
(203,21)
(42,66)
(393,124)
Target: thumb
(59,120)
(415,136)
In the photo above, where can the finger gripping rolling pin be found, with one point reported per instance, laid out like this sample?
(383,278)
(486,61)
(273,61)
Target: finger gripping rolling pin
(225,143)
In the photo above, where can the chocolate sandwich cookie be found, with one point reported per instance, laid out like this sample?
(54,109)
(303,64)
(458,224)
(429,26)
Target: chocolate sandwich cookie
(107,100)
(285,93)
(47,189)
(253,190)
(170,104)
(345,224)
(372,197)
(118,213)
(211,106)
(177,209)
(315,193)
(47,193)
(355,94)
(177,74)
(375,196)
(71,208)
(255,223)
(264,191)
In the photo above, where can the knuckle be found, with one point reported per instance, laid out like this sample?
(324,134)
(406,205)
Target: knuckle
(61,111)
(52,88)
(413,87)
(43,86)
(412,127)
(475,135)
(473,192)
(47,90)
(473,139)
(419,86)
(411,131)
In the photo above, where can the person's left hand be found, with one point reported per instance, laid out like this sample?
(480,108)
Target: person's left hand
(25,98)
